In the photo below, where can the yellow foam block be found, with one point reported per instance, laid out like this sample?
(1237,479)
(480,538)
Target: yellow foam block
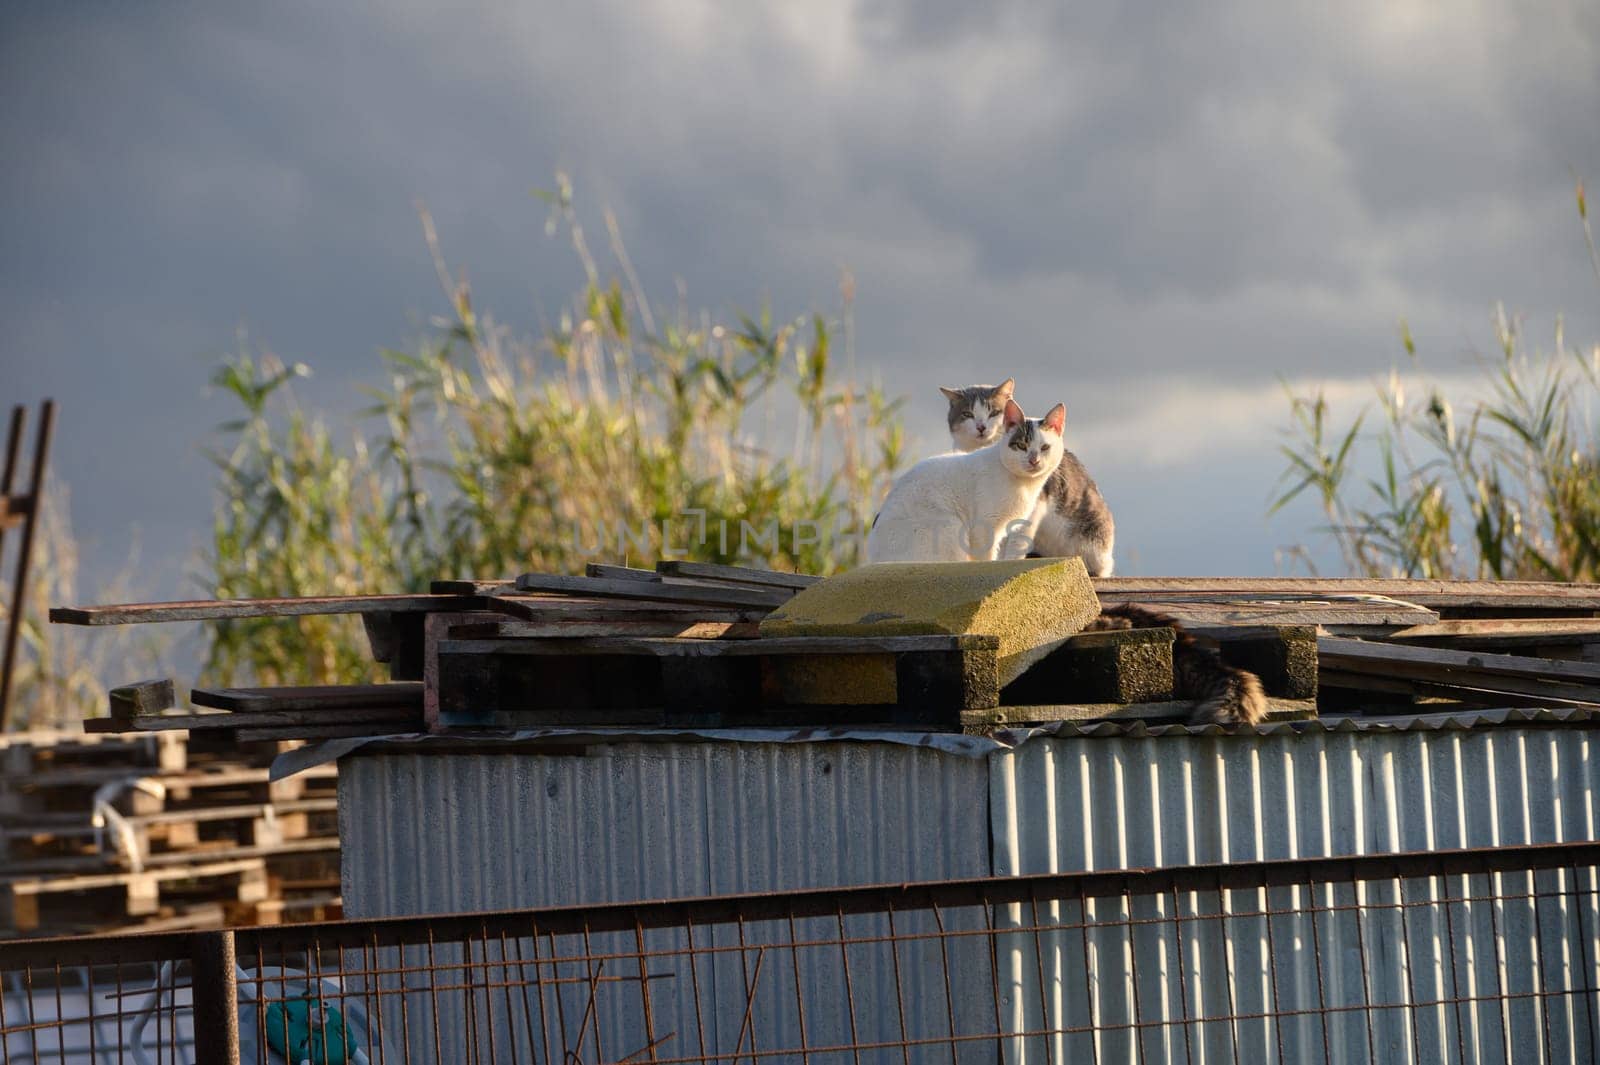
(1033,605)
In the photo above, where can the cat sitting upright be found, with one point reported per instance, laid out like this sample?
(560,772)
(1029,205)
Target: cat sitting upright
(1072,517)
(965,505)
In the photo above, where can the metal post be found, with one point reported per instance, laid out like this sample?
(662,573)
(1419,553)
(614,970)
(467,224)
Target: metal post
(216,999)
(41,452)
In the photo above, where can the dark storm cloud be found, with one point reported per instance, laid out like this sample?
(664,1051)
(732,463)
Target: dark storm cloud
(1093,195)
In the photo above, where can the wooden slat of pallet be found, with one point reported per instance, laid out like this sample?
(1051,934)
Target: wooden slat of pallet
(1463,693)
(275,719)
(288,846)
(235,812)
(1219,614)
(784,645)
(680,628)
(620,573)
(394,727)
(551,609)
(921,681)
(45,868)
(142,697)
(44,885)
(222,609)
(592,587)
(331,698)
(1428,593)
(1472,628)
(1543,637)
(1437,663)
(737,574)
(1552,680)
(1169,712)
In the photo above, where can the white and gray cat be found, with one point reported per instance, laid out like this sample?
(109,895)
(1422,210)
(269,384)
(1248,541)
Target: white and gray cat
(1072,517)
(967,505)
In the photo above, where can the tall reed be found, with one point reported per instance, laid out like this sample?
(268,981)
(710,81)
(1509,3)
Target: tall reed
(625,433)
(1503,484)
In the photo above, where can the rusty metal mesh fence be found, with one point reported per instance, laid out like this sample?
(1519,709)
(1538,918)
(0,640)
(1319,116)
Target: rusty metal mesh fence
(1485,955)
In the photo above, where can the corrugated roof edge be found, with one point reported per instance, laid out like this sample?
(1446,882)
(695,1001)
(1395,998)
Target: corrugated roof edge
(291,762)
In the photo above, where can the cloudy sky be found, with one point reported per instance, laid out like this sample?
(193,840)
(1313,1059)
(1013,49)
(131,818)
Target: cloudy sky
(1153,212)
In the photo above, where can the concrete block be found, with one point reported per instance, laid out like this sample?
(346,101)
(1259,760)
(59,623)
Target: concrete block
(1112,666)
(1031,605)
(1284,658)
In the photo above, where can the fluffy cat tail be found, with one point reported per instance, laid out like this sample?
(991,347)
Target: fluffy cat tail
(1222,694)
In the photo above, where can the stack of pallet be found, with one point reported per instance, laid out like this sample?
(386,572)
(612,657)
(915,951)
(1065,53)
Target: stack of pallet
(679,645)
(1445,643)
(102,832)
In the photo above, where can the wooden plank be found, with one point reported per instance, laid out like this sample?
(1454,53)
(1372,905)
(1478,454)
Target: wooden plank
(806,645)
(370,716)
(1440,663)
(256,733)
(1169,711)
(1447,595)
(621,573)
(326,698)
(1535,637)
(902,680)
(654,591)
(36,885)
(1199,614)
(1397,588)
(235,812)
(1481,697)
(435,628)
(396,640)
(1501,627)
(223,609)
(737,574)
(546,609)
(473,588)
(680,629)
(142,697)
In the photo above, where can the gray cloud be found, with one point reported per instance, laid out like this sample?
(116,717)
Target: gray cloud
(1109,199)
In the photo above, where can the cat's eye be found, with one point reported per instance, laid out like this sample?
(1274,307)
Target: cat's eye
(1043,448)
(966,414)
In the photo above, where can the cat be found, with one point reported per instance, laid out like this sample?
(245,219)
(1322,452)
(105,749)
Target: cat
(976,413)
(965,505)
(1072,517)
(1222,694)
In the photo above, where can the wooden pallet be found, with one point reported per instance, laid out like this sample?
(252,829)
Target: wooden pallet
(905,681)
(1471,677)
(28,902)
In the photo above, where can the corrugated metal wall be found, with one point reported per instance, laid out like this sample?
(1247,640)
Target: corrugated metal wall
(451,832)
(1125,802)
(459,832)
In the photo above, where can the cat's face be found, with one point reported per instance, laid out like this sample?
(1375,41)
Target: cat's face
(1033,445)
(977,413)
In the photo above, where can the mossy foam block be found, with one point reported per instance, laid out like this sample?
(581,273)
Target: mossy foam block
(1032,605)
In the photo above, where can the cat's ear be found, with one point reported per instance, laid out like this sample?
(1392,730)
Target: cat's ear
(1013,414)
(1006,388)
(952,394)
(1056,420)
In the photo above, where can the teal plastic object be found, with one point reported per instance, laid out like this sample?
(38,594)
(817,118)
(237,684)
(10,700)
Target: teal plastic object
(315,1032)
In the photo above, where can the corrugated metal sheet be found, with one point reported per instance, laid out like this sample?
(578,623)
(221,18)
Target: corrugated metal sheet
(1452,721)
(1125,802)
(292,762)
(452,832)
(633,820)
